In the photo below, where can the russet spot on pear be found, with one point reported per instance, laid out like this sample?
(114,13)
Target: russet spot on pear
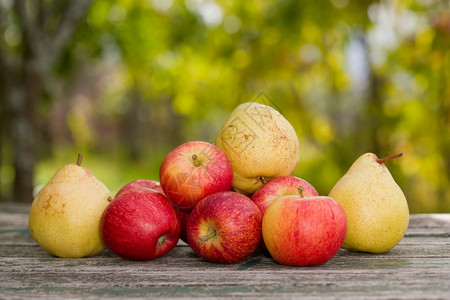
(65,216)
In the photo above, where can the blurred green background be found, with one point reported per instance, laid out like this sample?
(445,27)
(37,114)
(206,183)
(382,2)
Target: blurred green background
(124,82)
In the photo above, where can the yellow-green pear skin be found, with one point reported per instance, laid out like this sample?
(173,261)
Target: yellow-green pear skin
(260,143)
(376,208)
(65,215)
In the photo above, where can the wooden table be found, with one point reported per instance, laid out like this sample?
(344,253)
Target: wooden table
(417,268)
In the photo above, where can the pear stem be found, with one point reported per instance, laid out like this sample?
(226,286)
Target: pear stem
(208,237)
(80,158)
(263,179)
(197,161)
(383,160)
(300,191)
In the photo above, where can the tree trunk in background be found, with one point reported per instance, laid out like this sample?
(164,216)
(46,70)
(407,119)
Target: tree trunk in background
(24,133)
(132,126)
(2,136)
(20,99)
(5,93)
(23,77)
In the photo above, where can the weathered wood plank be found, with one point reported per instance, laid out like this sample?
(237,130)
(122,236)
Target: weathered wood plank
(13,216)
(349,274)
(430,220)
(323,282)
(418,268)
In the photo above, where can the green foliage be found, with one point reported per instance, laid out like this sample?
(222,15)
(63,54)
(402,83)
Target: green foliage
(351,76)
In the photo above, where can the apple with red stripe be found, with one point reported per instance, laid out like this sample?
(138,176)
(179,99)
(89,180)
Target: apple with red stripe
(281,186)
(193,171)
(140,224)
(146,183)
(224,227)
(278,187)
(304,231)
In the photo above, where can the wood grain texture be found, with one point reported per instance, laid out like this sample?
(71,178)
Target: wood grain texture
(417,268)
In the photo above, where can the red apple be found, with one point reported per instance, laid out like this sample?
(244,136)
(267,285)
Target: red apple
(281,186)
(151,184)
(140,224)
(224,227)
(304,231)
(183,215)
(194,170)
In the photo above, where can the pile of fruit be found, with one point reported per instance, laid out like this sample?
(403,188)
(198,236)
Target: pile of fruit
(225,200)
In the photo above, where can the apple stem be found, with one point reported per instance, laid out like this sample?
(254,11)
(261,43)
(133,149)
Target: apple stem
(383,160)
(208,237)
(197,161)
(80,158)
(161,240)
(300,191)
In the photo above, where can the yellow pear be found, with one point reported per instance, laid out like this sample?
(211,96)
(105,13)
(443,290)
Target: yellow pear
(261,145)
(65,216)
(376,208)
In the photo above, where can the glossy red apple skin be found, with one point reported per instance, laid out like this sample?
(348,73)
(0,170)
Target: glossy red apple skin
(153,184)
(233,223)
(146,183)
(194,170)
(304,231)
(278,187)
(281,186)
(183,215)
(140,224)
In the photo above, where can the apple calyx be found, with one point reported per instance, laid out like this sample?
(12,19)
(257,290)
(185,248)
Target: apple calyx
(196,160)
(383,160)
(212,233)
(161,240)
(300,191)
(79,159)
